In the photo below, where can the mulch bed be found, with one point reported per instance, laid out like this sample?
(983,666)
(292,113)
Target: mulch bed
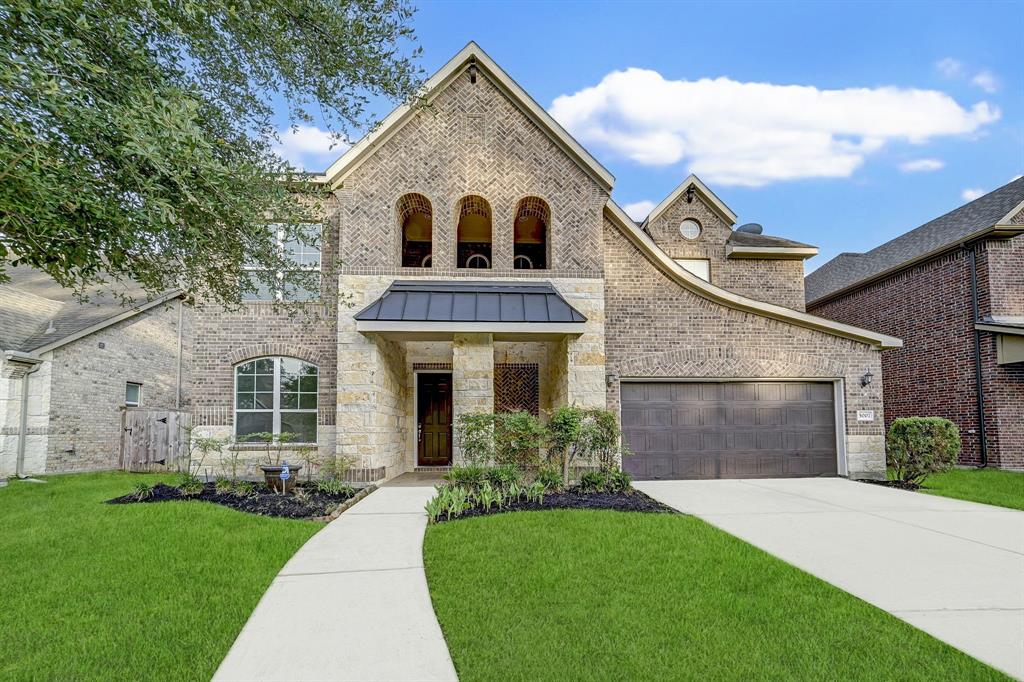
(263,502)
(891,484)
(633,501)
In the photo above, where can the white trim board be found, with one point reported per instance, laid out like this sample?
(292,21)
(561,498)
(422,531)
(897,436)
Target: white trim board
(689,281)
(717,204)
(470,55)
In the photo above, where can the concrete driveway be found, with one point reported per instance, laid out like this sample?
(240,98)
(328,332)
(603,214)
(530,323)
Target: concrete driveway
(953,569)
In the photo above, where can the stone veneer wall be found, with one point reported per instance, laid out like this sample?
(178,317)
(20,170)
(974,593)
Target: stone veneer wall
(87,385)
(472,379)
(774,281)
(656,328)
(471,140)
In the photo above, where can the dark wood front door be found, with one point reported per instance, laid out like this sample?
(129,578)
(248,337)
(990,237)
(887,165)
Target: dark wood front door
(434,419)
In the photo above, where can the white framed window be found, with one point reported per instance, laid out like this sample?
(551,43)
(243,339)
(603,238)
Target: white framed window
(132,394)
(305,256)
(689,229)
(698,266)
(276,395)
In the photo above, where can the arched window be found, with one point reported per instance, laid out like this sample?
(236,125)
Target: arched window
(474,233)
(276,395)
(416,218)
(530,250)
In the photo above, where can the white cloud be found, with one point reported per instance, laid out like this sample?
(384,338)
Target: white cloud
(751,134)
(986,80)
(309,147)
(972,193)
(639,210)
(922,165)
(950,68)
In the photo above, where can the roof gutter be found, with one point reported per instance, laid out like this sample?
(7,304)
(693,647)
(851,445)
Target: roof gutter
(771,252)
(709,291)
(29,364)
(998,231)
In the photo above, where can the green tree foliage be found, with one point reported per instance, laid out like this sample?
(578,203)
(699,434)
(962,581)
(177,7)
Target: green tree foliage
(137,136)
(919,446)
(577,434)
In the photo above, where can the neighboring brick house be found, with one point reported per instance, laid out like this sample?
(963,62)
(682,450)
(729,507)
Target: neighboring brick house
(953,290)
(71,367)
(481,265)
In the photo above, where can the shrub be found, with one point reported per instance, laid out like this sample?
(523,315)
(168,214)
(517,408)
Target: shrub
(619,482)
(550,478)
(223,485)
(332,486)
(244,489)
(593,482)
(143,491)
(518,437)
(504,476)
(189,485)
(435,507)
(919,446)
(535,492)
(469,476)
(475,432)
(578,434)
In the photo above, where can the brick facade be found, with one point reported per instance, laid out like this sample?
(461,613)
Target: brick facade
(773,281)
(655,328)
(928,305)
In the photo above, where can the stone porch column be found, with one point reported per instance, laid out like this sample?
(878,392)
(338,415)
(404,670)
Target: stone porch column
(472,378)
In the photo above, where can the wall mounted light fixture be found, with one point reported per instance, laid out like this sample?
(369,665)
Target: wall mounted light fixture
(691,191)
(867,378)
(472,72)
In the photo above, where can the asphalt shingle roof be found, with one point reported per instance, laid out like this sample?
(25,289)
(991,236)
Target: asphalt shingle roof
(751,239)
(446,301)
(35,311)
(848,269)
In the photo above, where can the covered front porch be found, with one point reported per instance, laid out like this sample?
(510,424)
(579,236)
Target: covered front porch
(422,353)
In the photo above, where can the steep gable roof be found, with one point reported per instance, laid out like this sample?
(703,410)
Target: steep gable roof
(471,55)
(967,222)
(724,212)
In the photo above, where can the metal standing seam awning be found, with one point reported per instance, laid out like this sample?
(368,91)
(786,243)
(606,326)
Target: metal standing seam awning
(438,309)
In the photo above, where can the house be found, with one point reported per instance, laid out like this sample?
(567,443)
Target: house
(472,259)
(953,290)
(482,265)
(68,368)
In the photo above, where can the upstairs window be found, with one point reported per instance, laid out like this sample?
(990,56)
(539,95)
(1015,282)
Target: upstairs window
(276,395)
(473,249)
(530,248)
(698,266)
(415,218)
(301,280)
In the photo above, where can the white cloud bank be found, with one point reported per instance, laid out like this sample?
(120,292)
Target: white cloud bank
(922,165)
(972,193)
(639,210)
(309,148)
(752,134)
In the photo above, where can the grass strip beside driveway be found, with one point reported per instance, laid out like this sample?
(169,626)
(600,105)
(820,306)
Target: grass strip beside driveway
(987,486)
(93,591)
(604,595)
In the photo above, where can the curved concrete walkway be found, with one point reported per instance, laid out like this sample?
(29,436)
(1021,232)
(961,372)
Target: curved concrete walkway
(352,604)
(952,568)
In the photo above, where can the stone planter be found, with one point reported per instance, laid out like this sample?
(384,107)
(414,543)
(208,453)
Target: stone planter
(272,476)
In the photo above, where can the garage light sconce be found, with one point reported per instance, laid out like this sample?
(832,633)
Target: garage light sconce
(866,379)
(610,379)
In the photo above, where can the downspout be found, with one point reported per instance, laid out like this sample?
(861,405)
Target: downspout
(177,384)
(978,383)
(34,362)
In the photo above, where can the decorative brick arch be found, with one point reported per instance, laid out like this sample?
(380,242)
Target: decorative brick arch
(730,362)
(262,350)
(406,204)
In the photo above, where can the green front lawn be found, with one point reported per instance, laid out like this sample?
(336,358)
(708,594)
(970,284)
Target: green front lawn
(603,595)
(988,486)
(127,592)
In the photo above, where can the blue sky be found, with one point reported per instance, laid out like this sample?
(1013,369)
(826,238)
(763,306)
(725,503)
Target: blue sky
(900,111)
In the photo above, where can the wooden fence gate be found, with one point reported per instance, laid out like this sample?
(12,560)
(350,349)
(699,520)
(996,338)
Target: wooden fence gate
(152,440)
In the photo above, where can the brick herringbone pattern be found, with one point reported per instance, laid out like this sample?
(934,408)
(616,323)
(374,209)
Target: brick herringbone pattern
(471,141)
(516,387)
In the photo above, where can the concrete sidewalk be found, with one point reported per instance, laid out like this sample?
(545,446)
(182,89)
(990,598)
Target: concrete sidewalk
(352,604)
(954,569)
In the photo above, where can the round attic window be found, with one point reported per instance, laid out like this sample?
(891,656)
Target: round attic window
(689,228)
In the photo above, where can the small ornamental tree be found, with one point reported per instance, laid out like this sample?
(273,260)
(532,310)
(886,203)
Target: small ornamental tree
(578,434)
(919,446)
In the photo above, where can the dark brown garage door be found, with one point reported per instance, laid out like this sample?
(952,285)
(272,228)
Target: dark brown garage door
(755,429)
